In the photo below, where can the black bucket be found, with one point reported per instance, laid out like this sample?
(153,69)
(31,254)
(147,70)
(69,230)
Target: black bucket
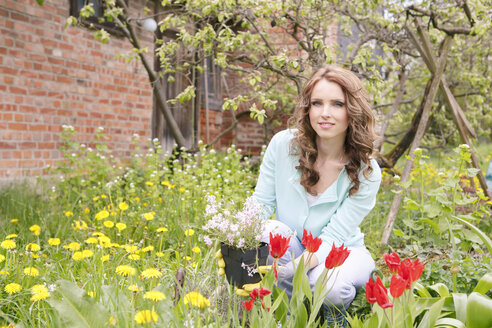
(241,265)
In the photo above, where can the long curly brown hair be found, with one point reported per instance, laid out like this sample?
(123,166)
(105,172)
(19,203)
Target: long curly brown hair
(359,141)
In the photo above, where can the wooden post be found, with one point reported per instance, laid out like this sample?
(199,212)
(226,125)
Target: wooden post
(435,81)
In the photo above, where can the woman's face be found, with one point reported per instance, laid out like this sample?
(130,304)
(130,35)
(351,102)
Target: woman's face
(328,111)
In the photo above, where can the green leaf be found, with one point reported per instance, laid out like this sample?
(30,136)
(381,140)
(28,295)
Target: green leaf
(432,209)
(432,315)
(76,309)
(460,300)
(484,284)
(410,204)
(441,289)
(398,232)
(449,322)
(423,292)
(40,2)
(478,310)
(486,240)
(301,317)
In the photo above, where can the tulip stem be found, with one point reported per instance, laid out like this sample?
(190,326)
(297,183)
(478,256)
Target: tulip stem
(387,318)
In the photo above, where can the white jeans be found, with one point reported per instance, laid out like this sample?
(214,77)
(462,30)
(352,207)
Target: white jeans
(344,281)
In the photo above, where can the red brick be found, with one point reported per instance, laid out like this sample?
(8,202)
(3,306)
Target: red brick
(14,89)
(17,126)
(37,127)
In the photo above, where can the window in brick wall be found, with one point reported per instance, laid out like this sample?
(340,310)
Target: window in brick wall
(214,79)
(98,19)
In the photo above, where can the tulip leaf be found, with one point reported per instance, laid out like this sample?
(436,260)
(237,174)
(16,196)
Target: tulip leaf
(478,310)
(301,317)
(432,315)
(449,322)
(460,300)
(441,289)
(484,284)
(423,292)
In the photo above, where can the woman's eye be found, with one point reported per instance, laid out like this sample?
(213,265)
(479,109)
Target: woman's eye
(315,103)
(339,104)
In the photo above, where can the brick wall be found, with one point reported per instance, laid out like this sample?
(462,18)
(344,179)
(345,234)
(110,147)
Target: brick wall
(50,76)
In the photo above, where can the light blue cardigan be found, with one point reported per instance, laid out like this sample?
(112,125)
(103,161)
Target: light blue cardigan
(334,217)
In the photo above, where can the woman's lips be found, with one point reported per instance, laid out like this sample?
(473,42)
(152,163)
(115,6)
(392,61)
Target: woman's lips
(326,125)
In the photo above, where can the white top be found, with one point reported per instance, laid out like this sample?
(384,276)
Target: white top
(311,199)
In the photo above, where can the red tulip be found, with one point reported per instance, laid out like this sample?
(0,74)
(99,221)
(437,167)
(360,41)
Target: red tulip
(393,261)
(278,245)
(311,244)
(336,257)
(249,304)
(397,286)
(376,292)
(370,293)
(410,271)
(259,293)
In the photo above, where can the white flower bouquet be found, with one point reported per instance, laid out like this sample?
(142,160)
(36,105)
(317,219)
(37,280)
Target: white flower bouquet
(239,229)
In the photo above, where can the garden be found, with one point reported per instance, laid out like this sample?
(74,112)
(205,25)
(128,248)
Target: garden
(125,245)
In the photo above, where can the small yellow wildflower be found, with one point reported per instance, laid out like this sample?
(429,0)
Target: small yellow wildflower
(130,248)
(111,321)
(8,244)
(30,271)
(145,316)
(151,273)
(79,225)
(134,288)
(68,213)
(148,216)
(39,296)
(101,215)
(12,235)
(108,224)
(123,206)
(35,256)
(120,226)
(162,229)
(14,220)
(196,249)
(193,264)
(87,210)
(91,240)
(105,258)
(33,247)
(148,249)
(159,254)
(137,199)
(12,288)
(77,256)
(196,299)
(98,234)
(91,294)
(87,253)
(38,289)
(103,196)
(134,257)
(154,295)
(187,258)
(149,183)
(95,199)
(189,232)
(35,229)
(104,240)
(54,241)
(73,246)
(2,258)
(4,273)
(182,189)
(126,270)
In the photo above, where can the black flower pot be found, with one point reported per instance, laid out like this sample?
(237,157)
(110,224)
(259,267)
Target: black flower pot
(241,265)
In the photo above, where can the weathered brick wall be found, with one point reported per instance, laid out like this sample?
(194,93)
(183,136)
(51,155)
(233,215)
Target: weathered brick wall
(50,76)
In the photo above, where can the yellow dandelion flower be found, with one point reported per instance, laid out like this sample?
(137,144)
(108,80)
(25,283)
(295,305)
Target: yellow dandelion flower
(98,234)
(134,288)
(126,270)
(91,294)
(33,247)
(196,249)
(105,258)
(189,232)
(87,210)
(2,258)
(120,226)
(182,189)
(134,257)
(101,215)
(148,183)
(193,264)
(87,253)
(111,321)
(162,229)
(130,248)
(95,199)
(159,254)
(39,296)
(196,299)
(73,246)
(77,256)
(68,213)
(187,258)
(145,204)
(54,241)
(103,196)
(30,271)
(166,183)
(123,206)
(91,240)
(148,216)
(13,288)
(108,224)
(35,229)
(37,289)
(154,295)
(151,273)
(4,273)
(79,225)
(137,199)
(148,249)
(14,220)
(160,199)
(35,256)
(12,235)
(8,244)
(145,316)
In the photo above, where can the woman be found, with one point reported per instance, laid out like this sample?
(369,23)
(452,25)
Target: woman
(320,177)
